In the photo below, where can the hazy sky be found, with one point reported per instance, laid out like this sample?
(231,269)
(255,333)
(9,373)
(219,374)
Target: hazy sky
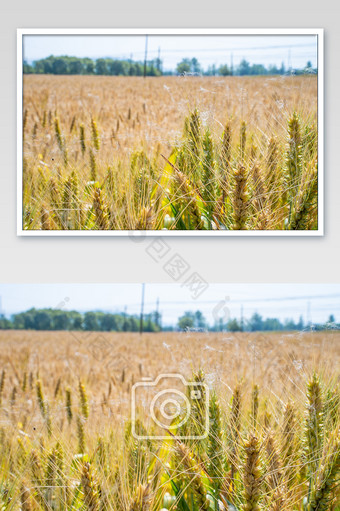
(271,300)
(293,50)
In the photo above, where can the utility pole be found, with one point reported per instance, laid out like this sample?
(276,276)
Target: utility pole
(159,59)
(157,313)
(125,319)
(242,322)
(231,65)
(146,54)
(289,61)
(142,310)
(309,316)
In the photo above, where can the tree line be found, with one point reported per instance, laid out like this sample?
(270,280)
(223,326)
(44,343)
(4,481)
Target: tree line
(85,66)
(66,65)
(256,323)
(98,321)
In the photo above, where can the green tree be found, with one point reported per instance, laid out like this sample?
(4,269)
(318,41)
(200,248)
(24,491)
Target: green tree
(300,324)
(271,325)
(192,320)
(157,319)
(289,324)
(136,69)
(212,70)
(152,69)
(195,66)
(75,67)
(27,68)
(89,67)
(76,320)
(183,67)
(233,326)
(159,65)
(273,70)
(244,68)
(29,319)
(255,323)
(43,320)
(109,323)
(258,69)
(59,66)
(62,320)
(186,321)
(116,67)
(199,320)
(188,66)
(44,66)
(5,324)
(101,67)
(91,322)
(224,70)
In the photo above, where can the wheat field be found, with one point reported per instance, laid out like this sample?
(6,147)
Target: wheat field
(67,439)
(175,153)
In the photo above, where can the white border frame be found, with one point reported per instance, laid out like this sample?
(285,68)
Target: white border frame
(166,31)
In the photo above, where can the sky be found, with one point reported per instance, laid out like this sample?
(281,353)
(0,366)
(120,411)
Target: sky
(315,302)
(293,50)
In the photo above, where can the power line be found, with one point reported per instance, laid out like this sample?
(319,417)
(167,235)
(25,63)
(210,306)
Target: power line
(214,50)
(250,300)
(148,51)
